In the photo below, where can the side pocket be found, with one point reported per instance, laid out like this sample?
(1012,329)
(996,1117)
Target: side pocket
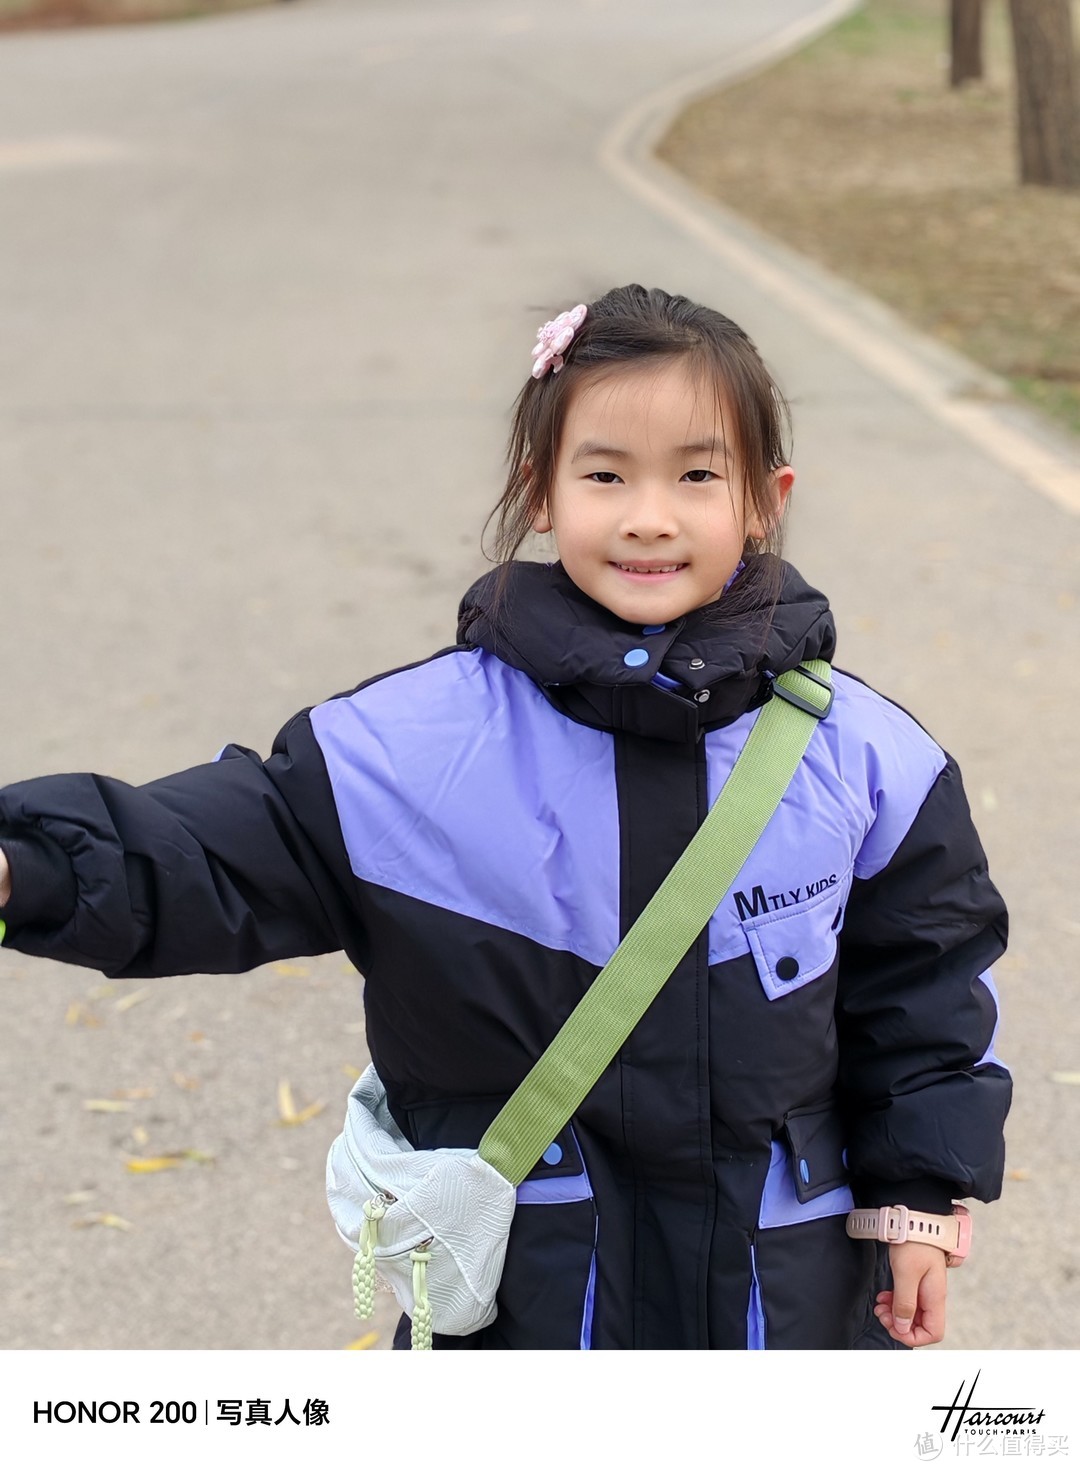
(815,1136)
(780,1206)
(549,1278)
(808,1176)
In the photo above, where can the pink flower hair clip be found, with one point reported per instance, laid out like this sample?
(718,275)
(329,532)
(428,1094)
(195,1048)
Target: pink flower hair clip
(554,338)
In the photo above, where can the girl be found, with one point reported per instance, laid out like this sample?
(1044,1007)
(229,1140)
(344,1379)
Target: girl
(478,830)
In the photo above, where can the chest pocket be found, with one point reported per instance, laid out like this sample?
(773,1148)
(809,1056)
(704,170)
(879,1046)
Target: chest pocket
(793,946)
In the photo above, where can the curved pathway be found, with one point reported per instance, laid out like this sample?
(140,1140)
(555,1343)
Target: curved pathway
(268,285)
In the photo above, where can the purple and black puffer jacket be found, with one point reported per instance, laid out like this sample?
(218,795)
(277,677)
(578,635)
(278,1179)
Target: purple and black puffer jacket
(477,832)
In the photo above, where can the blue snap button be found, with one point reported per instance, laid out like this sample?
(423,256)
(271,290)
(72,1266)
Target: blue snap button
(552,1155)
(804,1171)
(654,628)
(635,658)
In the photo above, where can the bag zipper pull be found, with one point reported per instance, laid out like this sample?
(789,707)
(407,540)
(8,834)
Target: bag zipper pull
(421,1316)
(363,1276)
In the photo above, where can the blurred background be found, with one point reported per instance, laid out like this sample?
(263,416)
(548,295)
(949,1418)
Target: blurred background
(270,275)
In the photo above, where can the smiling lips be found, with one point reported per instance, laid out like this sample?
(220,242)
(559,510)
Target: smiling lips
(649,569)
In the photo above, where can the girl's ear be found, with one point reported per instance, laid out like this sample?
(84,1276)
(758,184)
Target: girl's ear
(542,521)
(780,483)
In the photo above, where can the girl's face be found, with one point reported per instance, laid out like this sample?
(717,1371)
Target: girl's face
(646,505)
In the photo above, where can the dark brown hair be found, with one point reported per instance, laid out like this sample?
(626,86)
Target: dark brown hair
(624,328)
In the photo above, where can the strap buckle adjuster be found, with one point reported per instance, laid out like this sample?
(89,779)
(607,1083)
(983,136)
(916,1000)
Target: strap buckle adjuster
(797,700)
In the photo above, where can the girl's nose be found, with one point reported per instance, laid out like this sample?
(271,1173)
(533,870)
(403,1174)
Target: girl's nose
(649,515)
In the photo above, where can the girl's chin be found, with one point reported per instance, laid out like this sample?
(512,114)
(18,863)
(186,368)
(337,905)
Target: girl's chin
(648,612)
(650,598)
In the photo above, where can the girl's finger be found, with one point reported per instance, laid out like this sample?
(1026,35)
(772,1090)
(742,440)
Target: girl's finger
(925,1329)
(883,1312)
(931,1315)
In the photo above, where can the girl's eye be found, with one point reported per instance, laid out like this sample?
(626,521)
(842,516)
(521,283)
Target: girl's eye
(693,476)
(598,475)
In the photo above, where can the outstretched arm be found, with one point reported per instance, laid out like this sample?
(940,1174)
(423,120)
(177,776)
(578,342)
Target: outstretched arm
(215,869)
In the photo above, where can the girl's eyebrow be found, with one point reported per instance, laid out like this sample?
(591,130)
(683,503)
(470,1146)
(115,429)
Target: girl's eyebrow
(589,447)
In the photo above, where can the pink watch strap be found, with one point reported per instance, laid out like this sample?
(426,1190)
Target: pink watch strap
(894,1224)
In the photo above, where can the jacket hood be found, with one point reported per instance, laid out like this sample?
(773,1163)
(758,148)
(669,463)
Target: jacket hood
(719,661)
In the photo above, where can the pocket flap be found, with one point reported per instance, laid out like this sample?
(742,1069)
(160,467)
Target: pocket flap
(816,1138)
(795,945)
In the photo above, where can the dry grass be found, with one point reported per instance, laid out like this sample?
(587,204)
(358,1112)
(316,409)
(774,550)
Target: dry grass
(856,152)
(22,15)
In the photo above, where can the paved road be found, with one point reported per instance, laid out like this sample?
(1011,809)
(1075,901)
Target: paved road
(269,284)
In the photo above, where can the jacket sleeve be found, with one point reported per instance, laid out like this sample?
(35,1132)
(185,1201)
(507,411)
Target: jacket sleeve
(216,869)
(917,1013)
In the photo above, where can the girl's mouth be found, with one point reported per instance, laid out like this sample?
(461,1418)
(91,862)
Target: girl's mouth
(649,569)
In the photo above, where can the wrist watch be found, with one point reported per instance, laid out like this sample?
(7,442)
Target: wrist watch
(895,1224)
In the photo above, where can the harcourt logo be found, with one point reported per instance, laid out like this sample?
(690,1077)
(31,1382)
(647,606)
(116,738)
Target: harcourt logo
(988,1419)
(1007,1429)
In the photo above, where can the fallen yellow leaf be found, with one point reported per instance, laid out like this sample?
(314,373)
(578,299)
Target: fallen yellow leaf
(78,1197)
(100,993)
(173,1161)
(283,968)
(106,1219)
(288,1114)
(369,1340)
(1018,1175)
(350,1071)
(286,1106)
(183,1081)
(78,1015)
(140,1136)
(133,1093)
(1065,1077)
(106,1105)
(132,999)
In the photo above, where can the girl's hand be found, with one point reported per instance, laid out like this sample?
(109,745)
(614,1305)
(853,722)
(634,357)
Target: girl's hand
(914,1312)
(5,880)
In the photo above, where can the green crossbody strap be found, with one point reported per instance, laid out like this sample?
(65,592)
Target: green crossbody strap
(666,928)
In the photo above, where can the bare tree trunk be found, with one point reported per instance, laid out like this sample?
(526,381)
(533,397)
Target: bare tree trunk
(1048,111)
(965,41)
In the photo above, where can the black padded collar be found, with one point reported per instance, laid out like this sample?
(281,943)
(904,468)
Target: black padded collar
(575,649)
